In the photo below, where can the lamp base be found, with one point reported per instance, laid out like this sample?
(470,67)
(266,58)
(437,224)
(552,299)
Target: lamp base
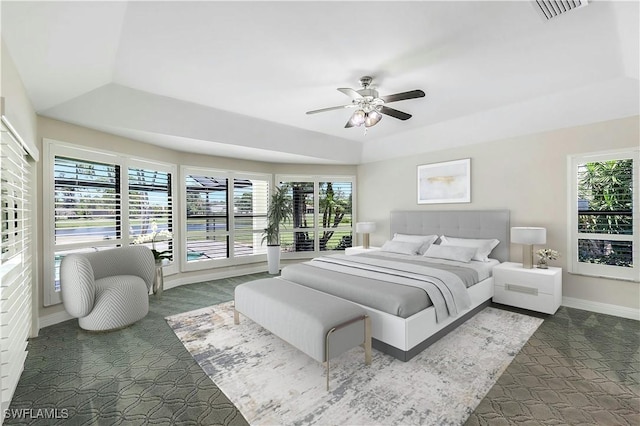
(527,256)
(365,241)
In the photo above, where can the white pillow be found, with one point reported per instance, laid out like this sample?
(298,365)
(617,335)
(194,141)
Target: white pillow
(425,240)
(461,254)
(403,247)
(483,247)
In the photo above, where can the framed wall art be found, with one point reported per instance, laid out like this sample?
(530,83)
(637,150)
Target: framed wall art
(448,182)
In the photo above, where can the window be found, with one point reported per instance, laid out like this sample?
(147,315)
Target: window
(151,207)
(250,201)
(605,214)
(207,219)
(225,217)
(16,278)
(322,214)
(100,201)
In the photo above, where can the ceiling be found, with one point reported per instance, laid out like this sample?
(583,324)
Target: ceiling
(235,78)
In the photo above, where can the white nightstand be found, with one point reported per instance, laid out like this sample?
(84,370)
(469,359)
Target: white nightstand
(535,289)
(359,249)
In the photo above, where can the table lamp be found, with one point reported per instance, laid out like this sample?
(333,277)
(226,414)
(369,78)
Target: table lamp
(365,228)
(528,236)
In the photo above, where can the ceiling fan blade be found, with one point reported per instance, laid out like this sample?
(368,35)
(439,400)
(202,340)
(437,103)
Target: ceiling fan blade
(315,111)
(350,92)
(403,96)
(395,113)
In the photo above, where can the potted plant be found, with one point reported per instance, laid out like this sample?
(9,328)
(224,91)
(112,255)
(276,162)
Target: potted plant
(153,237)
(279,212)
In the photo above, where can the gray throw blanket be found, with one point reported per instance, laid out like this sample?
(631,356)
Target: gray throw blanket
(446,290)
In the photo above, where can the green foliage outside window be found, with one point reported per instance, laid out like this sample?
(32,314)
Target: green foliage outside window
(605,206)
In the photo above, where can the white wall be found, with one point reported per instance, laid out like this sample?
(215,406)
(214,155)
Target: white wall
(17,106)
(527,175)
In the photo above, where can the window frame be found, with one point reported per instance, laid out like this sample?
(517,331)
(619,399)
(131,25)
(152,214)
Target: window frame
(317,229)
(53,148)
(231,259)
(593,269)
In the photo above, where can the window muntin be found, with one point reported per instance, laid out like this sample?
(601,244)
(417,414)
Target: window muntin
(87,204)
(87,208)
(87,201)
(207,217)
(605,206)
(298,235)
(151,206)
(250,202)
(225,217)
(335,215)
(322,214)
(604,232)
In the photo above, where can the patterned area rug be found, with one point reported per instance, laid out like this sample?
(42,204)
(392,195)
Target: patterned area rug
(273,383)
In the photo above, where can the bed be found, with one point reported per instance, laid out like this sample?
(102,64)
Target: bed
(402,323)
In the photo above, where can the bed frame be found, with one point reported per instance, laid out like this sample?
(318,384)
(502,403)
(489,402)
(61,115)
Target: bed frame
(404,338)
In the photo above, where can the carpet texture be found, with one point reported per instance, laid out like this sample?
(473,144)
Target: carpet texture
(271,382)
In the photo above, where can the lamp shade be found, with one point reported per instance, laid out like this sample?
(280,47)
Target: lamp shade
(358,118)
(528,235)
(365,227)
(372,118)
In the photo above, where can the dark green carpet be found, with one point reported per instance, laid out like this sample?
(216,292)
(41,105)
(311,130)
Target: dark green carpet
(578,368)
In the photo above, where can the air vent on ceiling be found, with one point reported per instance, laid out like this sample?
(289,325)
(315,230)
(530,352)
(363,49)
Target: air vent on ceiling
(553,8)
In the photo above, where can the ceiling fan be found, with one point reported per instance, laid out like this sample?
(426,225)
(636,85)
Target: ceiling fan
(370,106)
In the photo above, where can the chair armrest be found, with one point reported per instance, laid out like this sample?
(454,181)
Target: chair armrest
(77,285)
(131,260)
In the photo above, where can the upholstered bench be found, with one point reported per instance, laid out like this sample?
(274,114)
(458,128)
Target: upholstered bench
(320,325)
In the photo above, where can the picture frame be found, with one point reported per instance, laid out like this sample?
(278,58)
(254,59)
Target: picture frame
(446,182)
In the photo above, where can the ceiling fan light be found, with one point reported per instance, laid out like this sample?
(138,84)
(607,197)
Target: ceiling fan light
(372,118)
(358,118)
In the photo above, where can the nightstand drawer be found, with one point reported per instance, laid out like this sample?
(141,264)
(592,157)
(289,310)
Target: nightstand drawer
(525,297)
(523,278)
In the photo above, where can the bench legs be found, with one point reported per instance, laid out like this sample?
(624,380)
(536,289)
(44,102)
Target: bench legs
(367,341)
(236,317)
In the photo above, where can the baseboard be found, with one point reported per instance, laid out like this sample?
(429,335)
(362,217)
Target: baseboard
(52,319)
(602,308)
(213,275)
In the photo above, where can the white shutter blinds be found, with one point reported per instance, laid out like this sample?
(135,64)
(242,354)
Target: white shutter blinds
(151,202)
(250,201)
(15,266)
(605,212)
(207,218)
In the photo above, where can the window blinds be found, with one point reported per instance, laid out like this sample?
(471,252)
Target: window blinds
(605,207)
(207,221)
(151,202)
(15,266)
(250,202)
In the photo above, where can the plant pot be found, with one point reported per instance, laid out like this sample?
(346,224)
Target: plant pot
(158,279)
(273,259)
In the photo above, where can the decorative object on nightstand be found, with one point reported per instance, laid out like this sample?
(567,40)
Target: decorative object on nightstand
(365,228)
(528,236)
(534,289)
(544,256)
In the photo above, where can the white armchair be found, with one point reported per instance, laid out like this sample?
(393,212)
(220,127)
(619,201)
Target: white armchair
(108,289)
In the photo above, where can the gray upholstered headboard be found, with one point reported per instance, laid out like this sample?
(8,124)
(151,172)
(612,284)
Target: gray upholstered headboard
(457,223)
